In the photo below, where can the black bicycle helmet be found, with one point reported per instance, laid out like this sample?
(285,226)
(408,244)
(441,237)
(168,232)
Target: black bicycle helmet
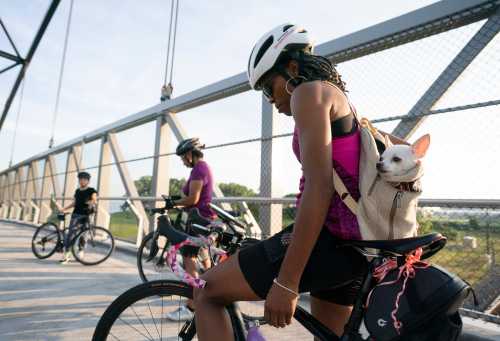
(83,175)
(189,145)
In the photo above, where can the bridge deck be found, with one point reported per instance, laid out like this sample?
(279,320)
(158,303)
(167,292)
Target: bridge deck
(43,300)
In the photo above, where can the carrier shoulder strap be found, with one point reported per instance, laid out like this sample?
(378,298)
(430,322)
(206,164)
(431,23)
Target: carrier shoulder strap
(338,184)
(343,192)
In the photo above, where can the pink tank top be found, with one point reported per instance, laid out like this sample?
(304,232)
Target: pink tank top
(340,221)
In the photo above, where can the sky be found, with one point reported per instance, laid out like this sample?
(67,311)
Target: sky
(115,67)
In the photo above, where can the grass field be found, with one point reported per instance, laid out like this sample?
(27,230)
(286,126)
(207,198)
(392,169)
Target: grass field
(123,225)
(470,264)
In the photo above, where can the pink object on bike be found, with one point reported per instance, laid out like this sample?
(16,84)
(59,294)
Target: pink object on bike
(407,270)
(178,270)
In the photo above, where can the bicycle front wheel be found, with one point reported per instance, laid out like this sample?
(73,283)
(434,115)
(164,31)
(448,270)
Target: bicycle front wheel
(148,312)
(153,268)
(45,241)
(93,246)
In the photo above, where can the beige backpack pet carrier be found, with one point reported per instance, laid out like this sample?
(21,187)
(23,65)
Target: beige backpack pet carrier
(383,210)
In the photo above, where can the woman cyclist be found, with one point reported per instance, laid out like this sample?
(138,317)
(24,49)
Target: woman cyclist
(197,194)
(303,257)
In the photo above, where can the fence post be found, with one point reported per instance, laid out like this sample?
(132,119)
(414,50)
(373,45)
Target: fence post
(36,191)
(270,217)
(160,181)
(103,184)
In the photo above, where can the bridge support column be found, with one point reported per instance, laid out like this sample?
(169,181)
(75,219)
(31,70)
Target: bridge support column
(270,217)
(104,184)
(128,184)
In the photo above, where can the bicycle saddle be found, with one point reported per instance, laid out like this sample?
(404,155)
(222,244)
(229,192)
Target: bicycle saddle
(430,244)
(174,236)
(225,216)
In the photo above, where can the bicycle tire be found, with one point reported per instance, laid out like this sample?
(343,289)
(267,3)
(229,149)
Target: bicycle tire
(162,288)
(54,233)
(133,295)
(75,244)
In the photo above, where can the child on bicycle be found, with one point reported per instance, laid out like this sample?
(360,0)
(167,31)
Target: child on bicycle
(85,199)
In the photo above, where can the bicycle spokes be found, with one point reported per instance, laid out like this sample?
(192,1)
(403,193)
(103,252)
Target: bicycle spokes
(154,318)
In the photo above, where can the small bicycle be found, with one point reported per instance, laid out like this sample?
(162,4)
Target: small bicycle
(91,244)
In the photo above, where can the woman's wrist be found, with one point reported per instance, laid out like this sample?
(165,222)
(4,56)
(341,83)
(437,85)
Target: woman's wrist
(290,281)
(294,292)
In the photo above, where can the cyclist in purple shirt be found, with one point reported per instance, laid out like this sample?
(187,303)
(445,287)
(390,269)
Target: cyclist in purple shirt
(197,194)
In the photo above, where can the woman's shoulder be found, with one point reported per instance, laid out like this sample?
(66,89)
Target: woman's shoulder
(317,91)
(201,165)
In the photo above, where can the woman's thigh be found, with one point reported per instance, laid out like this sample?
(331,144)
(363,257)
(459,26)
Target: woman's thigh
(226,284)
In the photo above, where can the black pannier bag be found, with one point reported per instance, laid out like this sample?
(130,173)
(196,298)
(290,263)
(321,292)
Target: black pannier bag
(427,308)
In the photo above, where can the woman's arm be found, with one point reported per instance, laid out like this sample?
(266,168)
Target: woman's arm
(312,116)
(64,209)
(311,108)
(195,187)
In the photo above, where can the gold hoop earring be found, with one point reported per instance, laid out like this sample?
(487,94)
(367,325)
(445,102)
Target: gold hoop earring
(288,81)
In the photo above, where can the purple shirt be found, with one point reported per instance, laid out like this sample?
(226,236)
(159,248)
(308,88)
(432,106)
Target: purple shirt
(340,221)
(201,172)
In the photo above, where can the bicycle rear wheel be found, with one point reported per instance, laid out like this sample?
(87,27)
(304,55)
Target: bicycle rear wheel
(92,245)
(157,267)
(45,240)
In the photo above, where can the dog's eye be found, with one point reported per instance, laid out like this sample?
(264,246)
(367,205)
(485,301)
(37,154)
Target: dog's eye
(396,159)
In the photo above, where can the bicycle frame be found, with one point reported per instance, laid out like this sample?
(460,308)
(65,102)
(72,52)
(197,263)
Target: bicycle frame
(315,327)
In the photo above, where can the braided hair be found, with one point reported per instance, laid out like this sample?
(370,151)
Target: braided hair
(311,68)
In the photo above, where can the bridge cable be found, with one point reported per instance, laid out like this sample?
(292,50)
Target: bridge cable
(167,89)
(173,44)
(21,96)
(61,74)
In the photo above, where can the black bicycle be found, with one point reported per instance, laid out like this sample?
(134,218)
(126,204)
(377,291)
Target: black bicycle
(138,313)
(91,245)
(151,261)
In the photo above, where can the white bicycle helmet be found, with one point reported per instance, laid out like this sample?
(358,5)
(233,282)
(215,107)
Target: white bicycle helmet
(268,49)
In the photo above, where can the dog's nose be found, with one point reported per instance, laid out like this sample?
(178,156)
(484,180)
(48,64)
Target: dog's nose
(380,166)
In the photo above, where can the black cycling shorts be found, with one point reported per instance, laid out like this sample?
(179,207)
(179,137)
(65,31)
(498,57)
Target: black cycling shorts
(333,273)
(190,251)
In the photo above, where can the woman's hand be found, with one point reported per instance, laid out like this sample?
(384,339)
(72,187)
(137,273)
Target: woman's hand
(280,306)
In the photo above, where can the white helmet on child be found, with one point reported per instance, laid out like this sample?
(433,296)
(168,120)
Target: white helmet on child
(268,49)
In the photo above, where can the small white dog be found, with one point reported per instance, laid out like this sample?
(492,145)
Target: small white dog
(400,164)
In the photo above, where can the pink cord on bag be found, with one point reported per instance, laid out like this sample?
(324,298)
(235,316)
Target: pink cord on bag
(407,270)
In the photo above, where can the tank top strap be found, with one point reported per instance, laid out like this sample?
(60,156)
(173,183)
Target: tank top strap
(351,106)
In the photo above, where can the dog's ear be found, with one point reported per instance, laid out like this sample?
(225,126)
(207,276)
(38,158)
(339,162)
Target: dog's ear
(420,146)
(388,142)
